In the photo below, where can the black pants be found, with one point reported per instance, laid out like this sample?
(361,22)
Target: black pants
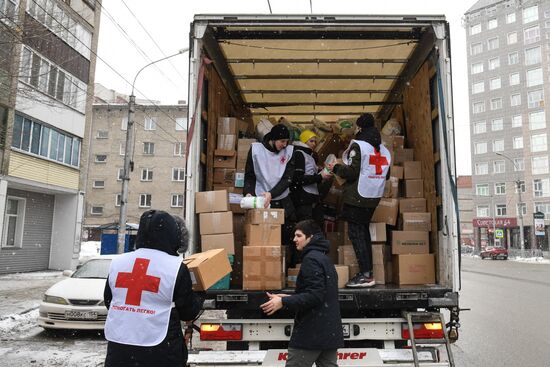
(359,236)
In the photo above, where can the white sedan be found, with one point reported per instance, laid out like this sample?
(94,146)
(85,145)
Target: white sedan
(77,302)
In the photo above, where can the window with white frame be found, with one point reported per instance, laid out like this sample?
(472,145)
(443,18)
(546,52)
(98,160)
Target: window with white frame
(497,124)
(478,87)
(121,148)
(179,149)
(513,58)
(521,208)
(96,210)
(482,168)
(500,210)
(515,100)
(533,56)
(150,123)
(482,211)
(148,148)
(480,147)
(482,189)
(14,221)
(475,29)
(498,145)
(541,187)
(510,18)
(539,143)
(534,77)
(477,68)
(519,164)
(517,121)
(101,158)
(124,123)
(535,98)
(146,174)
(144,200)
(512,38)
(531,35)
(492,23)
(102,134)
(178,174)
(480,127)
(478,107)
(519,186)
(530,14)
(98,184)
(118,199)
(517,142)
(494,63)
(537,120)
(181,123)
(499,167)
(514,79)
(496,104)
(177,201)
(539,165)
(543,208)
(500,188)
(476,48)
(492,43)
(120,174)
(494,84)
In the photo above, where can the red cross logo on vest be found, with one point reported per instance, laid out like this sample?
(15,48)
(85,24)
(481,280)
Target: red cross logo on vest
(137,281)
(283,160)
(377,160)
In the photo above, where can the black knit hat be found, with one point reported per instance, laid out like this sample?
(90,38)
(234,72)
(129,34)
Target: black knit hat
(365,120)
(159,230)
(279,132)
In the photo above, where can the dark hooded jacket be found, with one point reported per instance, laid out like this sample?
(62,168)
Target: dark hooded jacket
(299,195)
(317,322)
(160,231)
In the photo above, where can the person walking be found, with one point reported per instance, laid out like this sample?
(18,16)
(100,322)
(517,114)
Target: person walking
(365,169)
(148,293)
(317,331)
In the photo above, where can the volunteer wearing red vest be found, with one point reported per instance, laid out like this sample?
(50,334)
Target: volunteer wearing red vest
(366,166)
(148,292)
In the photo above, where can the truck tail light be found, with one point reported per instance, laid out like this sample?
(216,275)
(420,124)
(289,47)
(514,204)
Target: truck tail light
(426,330)
(221,332)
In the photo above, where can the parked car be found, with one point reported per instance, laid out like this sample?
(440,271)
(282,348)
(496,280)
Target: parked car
(494,253)
(77,302)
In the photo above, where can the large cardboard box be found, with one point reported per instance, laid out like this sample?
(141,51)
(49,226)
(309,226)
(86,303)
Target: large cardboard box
(207,267)
(243,147)
(291,276)
(381,254)
(217,241)
(403,155)
(410,242)
(265,216)
(225,158)
(343,275)
(414,188)
(346,255)
(262,234)
(412,170)
(224,176)
(263,268)
(393,142)
(377,232)
(414,269)
(417,221)
(391,188)
(226,141)
(413,205)
(211,201)
(382,273)
(216,223)
(386,211)
(397,172)
(228,125)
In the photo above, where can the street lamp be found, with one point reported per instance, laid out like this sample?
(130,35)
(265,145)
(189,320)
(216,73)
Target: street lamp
(520,204)
(128,154)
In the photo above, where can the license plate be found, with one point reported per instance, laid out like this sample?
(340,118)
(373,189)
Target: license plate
(345,330)
(81,315)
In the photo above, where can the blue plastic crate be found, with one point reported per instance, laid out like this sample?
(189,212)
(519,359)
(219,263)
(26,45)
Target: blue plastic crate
(223,283)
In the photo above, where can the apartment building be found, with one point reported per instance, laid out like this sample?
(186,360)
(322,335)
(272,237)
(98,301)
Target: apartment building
(47,70)
(158,177)
(508,46)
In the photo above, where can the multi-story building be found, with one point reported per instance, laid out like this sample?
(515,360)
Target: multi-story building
(47,67)
(158,178)
(465,209)
(508,46)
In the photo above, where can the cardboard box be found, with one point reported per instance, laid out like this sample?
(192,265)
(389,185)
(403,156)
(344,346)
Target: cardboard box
(417,205)
(414,269)
(330,144)
(226,141)
(403,155)
(243,147)
(353,270)
(216,223)
(412,170)
(228,125)
(229,188)
(417,221)
(346,255)
(410,242)
(207,267)
(381,254)
(343,275)
(397,172)
(291,276)
(265,216)
(262,234)
(383,273)
(224,160)
(211,201)
(217,241)
(386,211)
(224,176)
(414,188)
(377,232)
(393,142)
(263,268)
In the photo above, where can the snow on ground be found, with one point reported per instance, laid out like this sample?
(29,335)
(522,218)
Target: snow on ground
(531,260)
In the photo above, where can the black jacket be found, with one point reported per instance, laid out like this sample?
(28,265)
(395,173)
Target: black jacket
(299,195)
(317,322)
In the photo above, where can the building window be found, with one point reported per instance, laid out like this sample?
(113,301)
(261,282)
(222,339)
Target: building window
(181,124)
(120,174)
(500,188)
(148,148)
(480,148)
(122,149)
(476,48)
(144,200)
(98,184)
(96,210)
(518,142)
(482,190)
(146,174)
(519,187)
(494,84)
(482,211)
(537,120)
(515,100)
(124,123)
(530,14)
(512,38)
(492,44)
(150,123)
(101,158)
(496,104)
(514,79)
(517,121)
(179,149)
(482,168)
(14,221)
(534,77)
(541,187)
(531,35)
(118,199)
(480,127)
(499,167)
(519,164)
(475,29)
(543,208)
(478,87)
(497,125)
(539,165)
(513,58)
(492,23)
(533,56)
(535,98)
(498,145)
(178,174)
(500,210)
(538,143)
(477,68)
(510,18)
(177,201)
(478,107)
(102,134)
(494,63)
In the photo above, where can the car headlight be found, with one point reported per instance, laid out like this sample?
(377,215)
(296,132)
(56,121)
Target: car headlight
(54,299)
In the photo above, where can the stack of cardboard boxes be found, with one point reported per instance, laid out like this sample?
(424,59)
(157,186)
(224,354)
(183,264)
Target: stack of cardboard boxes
(225,155)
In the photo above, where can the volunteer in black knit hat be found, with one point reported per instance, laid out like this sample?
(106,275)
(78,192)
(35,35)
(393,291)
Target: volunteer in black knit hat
(366,168)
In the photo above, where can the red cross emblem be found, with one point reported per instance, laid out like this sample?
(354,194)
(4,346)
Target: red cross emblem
(377,160)
(283,160)
(137,281)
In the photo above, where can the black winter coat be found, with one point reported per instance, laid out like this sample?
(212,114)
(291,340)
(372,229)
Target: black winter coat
(317,323)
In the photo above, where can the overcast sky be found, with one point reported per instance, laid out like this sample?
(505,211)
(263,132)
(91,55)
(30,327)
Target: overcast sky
(133,33)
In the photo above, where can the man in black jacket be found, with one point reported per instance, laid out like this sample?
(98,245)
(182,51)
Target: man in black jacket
(317,332)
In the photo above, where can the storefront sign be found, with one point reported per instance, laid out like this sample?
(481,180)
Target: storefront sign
(498,222)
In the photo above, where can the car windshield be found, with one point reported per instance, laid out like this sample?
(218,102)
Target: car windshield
(98,268)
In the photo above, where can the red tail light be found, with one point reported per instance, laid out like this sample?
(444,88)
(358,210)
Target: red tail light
(427,330)
(221,332)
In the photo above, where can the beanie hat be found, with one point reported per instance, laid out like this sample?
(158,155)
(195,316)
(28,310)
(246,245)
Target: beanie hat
(159,230)
(306,135)
(365,120)
(279,132)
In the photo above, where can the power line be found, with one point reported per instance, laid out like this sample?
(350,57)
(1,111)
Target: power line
(269,4)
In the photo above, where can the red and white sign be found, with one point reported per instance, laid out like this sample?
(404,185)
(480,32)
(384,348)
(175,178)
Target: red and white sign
(498,222)
(346,357)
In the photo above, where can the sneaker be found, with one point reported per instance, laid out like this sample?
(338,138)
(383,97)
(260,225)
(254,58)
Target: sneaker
(361,281)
